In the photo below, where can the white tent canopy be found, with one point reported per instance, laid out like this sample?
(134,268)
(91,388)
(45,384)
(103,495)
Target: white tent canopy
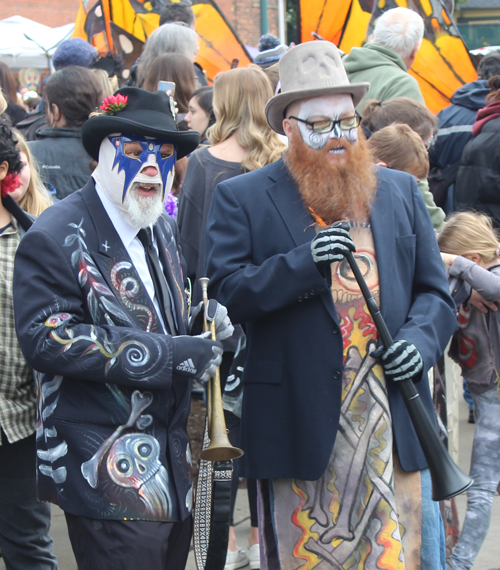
(17,51)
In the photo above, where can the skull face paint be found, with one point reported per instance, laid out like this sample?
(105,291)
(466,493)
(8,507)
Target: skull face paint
(119,168)
(331,107)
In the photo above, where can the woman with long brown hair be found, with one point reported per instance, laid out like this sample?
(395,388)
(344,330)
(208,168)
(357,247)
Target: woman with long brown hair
(241,141)
(177,68)
(9,88)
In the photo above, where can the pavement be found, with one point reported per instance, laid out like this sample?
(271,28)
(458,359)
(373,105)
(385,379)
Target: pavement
(488,558)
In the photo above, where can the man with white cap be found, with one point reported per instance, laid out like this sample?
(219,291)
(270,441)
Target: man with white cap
(342,477)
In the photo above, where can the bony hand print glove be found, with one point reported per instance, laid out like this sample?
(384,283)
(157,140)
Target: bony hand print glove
(196,356)
(331,245)
(216,312)
(401,361)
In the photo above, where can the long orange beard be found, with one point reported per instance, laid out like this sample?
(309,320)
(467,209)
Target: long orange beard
(334,191)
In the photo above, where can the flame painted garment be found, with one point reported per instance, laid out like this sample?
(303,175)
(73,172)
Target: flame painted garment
(352,518)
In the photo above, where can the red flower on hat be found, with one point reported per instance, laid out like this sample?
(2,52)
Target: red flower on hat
(114,103)
(10,183)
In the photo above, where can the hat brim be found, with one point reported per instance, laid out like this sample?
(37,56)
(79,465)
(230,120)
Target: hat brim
(276,106)
(97,128)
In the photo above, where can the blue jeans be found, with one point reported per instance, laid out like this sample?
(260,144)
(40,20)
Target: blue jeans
(433,551)
(485,470)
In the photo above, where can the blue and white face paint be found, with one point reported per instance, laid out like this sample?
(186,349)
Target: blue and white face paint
(121,174)
(331,107)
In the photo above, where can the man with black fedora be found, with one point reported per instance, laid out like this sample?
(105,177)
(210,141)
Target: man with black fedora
(342,477)
(102,315)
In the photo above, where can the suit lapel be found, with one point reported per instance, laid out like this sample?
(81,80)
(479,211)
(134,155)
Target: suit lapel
(116,267)
(288,201)
(382,223)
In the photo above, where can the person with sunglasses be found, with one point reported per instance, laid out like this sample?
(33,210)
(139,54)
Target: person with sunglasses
(342,478)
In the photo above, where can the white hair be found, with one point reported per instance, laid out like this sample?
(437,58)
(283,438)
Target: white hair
(174,37)
(399,29)
(142,211)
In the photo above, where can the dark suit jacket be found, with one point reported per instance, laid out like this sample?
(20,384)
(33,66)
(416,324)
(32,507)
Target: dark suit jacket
(85,322)
(258,252)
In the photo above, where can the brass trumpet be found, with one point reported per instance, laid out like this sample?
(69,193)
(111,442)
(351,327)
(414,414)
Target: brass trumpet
(220,448)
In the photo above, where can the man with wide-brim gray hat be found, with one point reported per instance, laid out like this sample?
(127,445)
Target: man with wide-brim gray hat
(322,419)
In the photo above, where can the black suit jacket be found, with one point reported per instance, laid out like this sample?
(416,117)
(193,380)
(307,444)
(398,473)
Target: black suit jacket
(111,432)
(258,251)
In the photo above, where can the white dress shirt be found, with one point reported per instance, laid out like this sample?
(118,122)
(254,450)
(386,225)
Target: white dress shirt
(135,249)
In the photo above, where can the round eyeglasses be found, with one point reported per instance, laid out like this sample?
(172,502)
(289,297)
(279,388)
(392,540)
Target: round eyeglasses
(324,126)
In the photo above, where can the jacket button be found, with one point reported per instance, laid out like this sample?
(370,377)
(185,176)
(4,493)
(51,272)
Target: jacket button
(313,291)
(336,331)
(336,375)
(306,295)
(300,299)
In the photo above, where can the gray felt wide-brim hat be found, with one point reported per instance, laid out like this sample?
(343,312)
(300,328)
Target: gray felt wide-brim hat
(310,70)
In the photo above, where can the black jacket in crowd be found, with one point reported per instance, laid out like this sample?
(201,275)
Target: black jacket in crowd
(478,180)
(62,159)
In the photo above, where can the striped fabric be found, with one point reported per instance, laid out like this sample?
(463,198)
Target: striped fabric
(17,386)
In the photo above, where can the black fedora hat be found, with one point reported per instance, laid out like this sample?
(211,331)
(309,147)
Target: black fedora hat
(143,113)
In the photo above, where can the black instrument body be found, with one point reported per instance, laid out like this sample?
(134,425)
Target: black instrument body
(447,479)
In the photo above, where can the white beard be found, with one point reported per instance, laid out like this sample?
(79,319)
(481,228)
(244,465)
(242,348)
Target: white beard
(142,211)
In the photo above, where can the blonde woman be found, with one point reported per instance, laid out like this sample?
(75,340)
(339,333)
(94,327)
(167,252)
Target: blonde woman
(469,245)
(32,195)
(241,140)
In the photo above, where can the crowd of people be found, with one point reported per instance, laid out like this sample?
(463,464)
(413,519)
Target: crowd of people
(116,200)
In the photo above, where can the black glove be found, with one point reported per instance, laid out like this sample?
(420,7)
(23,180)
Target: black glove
(214,312)
(196,356)
(331,245)
(401,361)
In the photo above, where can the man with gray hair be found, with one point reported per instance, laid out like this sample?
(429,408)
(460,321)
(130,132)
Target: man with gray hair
(384,61)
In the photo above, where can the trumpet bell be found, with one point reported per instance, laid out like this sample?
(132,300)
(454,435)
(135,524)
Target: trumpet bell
(219,451)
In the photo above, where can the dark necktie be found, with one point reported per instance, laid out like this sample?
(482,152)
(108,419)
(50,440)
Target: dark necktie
(161,290)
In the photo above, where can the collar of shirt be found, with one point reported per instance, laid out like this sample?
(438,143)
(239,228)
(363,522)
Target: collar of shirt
(11,228)
(128,236)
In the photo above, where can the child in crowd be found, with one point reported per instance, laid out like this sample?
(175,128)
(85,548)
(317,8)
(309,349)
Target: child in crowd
(403,110)
(32,196)
(25,522)
(399,147)
(470,247)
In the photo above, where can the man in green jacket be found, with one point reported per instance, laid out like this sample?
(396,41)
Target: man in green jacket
(384,62)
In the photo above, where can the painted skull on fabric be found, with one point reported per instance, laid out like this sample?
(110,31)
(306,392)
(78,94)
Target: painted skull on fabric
(133,461)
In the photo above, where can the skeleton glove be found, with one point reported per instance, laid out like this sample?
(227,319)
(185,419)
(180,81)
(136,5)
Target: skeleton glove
(214,311)
(196,356)
(401,361)
(331,245)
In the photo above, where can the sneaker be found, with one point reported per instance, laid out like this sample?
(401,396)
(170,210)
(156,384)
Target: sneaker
(236,559)
(254,556)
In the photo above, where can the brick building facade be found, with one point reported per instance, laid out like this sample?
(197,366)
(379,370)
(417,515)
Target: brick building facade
(243,15)
(52,13)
